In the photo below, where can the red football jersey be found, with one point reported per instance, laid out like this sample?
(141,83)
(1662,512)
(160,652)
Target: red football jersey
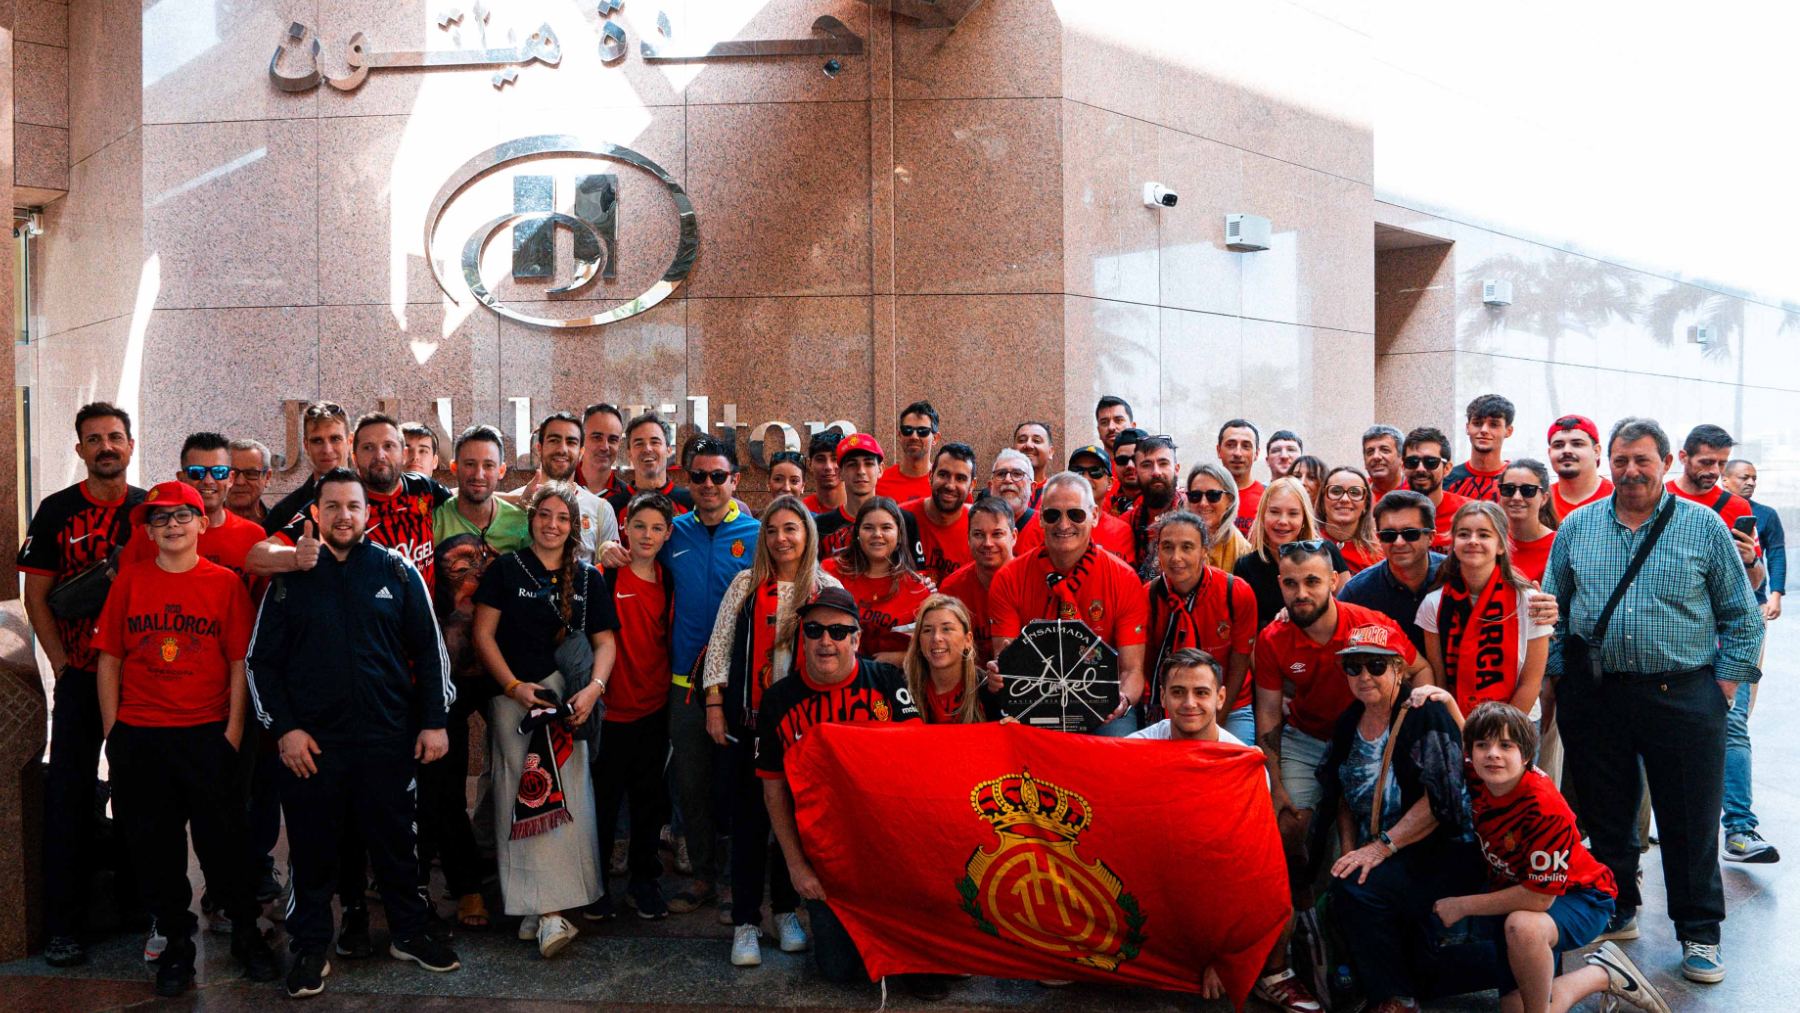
(1285,654)
(1563,506)
(1108,598)
(177,635)
(965,585)
(1529,838)
(940,550)
(639,685)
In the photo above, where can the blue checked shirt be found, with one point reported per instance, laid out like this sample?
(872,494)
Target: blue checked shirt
(1690,605)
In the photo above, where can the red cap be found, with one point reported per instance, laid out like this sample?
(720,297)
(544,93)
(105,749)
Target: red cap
(1370,639)
(861,443)
(167,494)
(1568,422)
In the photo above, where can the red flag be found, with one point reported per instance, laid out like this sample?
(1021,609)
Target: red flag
(1022,853)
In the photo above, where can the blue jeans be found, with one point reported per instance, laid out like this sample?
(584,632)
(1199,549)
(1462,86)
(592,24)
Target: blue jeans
(1736,814)
(1241,723)
(1120,726)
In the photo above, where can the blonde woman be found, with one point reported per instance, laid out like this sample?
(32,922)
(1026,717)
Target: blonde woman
(1284,515)
(752,647)
(940,664)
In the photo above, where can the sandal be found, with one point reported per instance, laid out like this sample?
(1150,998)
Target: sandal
(472,912)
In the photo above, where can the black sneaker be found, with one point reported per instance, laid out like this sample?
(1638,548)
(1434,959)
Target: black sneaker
(600,910)
(647,898)
(175,968)
(1622,925)
(353,934)
(307,976)
(253,953)
(425,952)
(64,951)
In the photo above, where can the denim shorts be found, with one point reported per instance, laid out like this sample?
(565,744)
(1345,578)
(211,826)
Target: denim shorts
(1580,915)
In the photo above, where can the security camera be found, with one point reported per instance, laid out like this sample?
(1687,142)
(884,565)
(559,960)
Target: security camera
(1158,196)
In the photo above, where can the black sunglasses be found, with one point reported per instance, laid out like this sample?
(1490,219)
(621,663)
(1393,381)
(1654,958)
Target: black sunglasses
(1307,546)
(1389,536)
(1527,489)
(916,430)
(716,477)
(1125,460)
(1209,495)
(1093,471)
(1051,515)
(1428,463)
(1374,666)
(196,472)
(838,631)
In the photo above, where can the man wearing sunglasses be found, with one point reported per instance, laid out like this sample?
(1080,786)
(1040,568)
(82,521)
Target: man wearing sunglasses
(1110,531)
(1069,577)
(227,538)
(1426,457)
(911,478)
(1125,484)
(838,687)
(1397,585)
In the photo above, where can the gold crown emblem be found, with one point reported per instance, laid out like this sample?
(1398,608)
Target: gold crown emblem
(1013,800)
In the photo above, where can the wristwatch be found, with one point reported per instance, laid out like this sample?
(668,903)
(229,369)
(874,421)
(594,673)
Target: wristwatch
(1389,841)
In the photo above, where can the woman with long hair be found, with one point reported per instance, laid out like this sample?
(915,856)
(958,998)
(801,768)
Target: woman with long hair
(1531,519)
(1478,606)
(752,647)
(528,603)
(940,664)
(1195,605)
(1284,515)
(1346,511)
(1310,471)
(877,569)
(1213,494)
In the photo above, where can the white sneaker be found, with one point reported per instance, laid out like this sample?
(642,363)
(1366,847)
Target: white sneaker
(528,927)
(793,937)
(155,945)
(554,932)
(746,946)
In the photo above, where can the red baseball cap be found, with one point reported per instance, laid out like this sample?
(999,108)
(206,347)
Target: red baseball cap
(1568,422)
(167,494)
(1372,638)
(861,443)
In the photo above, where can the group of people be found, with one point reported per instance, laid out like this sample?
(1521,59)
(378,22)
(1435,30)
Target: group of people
(1441,663)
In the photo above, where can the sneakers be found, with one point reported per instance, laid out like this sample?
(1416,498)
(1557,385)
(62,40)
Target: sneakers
(692,897)
(647,898)
(1285,991)
(353,934)
(268,888)
(683,864)
(217,921)
(175,970)
(599,911)
(621,859)
(528,927)
(1625,982)
(307,976)
(746,946)
(1748,847)
(253,954)
(554,934)
(793,937)
(1623,925)
(1700,962)
(64,951)
(431,954)
(155,943)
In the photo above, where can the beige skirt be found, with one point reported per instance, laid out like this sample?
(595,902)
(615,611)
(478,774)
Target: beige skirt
(559,869)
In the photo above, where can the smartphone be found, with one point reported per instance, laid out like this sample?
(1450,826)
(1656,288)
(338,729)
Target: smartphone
(1746,524)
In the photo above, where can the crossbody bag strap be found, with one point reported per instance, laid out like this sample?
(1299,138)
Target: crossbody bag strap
(1381,778)
(1631,572)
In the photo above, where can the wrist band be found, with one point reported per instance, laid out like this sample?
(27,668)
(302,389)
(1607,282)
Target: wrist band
(507,691)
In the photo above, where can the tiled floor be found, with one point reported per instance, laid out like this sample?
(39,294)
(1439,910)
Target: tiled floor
(681,962)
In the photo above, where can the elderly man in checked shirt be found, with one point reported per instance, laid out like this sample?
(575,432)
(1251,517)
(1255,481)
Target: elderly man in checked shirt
(1686,633)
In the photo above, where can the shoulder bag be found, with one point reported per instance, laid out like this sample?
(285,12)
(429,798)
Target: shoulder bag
(1581,655)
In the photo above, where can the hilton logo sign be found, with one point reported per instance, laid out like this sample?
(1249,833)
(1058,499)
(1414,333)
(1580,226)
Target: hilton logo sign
(592,218)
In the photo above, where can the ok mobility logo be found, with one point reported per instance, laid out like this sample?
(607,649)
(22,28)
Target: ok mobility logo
(593,220)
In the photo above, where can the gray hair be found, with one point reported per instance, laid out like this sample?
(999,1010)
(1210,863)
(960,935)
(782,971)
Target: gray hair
(1377,432)
(253,445)
(1009,454)
(1070,480)
(1631,429)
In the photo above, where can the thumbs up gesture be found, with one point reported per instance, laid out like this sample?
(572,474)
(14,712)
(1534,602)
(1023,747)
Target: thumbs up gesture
(306,550)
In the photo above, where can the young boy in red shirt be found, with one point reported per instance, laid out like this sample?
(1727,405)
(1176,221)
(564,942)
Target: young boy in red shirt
(172,640)
(1551,895)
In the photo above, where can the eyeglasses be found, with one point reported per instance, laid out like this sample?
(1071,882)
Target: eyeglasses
(1209,495)
(1389,536)
(1375,667)
(1428,463)
(1006,473)
(249,473)
(1093,471)
(1527,490)
(1307,547)
(196,472)
(164,518)
(718,477)
(916,430)
(1125,460)
(1051,515)
(1355,492)
(838,631)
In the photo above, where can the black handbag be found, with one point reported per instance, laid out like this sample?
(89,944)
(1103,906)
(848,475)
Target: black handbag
(84,595)
(1581,655)
(574,659)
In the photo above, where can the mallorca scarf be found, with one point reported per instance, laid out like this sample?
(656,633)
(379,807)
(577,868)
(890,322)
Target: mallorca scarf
(539,805)
(1174,615)
(1065,588)
(1480,641)
(765,607)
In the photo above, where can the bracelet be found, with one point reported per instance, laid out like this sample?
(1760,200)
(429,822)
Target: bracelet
(509,687)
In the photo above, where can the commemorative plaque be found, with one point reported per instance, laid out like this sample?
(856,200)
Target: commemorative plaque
(1059,674)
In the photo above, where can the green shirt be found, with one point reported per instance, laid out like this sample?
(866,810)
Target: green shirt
(508,532)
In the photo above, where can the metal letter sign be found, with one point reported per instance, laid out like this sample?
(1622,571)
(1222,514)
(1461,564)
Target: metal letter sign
(534,218)
(1059,674)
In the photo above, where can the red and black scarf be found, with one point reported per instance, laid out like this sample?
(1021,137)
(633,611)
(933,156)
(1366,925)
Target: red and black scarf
(1065,588)
(539,805)
(765,608)
(1480,639)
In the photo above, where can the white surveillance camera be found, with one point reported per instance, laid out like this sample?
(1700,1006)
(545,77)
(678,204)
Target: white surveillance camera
(1158,196)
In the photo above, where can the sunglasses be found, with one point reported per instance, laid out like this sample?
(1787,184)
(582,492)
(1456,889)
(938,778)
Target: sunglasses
(1527,490)
(1375,667)
(1346,492)
(1307,546)
(1093,471)
(1428,463)
(1389,536)
(717,477)
(1051,515)
(1125,460)
(164,518)
(838,631)
(916,430)
(196,472)
(1209,495)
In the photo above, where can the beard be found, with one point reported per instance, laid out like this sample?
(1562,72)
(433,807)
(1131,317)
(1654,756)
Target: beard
(381,477)
(1158,493)
(559,468)
(1304,612)
(946,500)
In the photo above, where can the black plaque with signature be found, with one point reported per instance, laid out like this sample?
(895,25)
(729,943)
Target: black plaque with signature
(1059,674)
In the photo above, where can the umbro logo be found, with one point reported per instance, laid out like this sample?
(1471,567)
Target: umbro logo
(384,595)
(1298,666)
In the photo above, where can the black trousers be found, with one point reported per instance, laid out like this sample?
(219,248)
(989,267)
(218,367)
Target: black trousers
(1675,725)
(632,762)
(168,780)
(445,833)
(1390,928)
(370,790)
(69,799)
(754,856)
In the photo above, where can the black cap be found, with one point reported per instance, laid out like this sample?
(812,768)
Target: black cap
(1129,437)
(831,598)
(1095,451)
